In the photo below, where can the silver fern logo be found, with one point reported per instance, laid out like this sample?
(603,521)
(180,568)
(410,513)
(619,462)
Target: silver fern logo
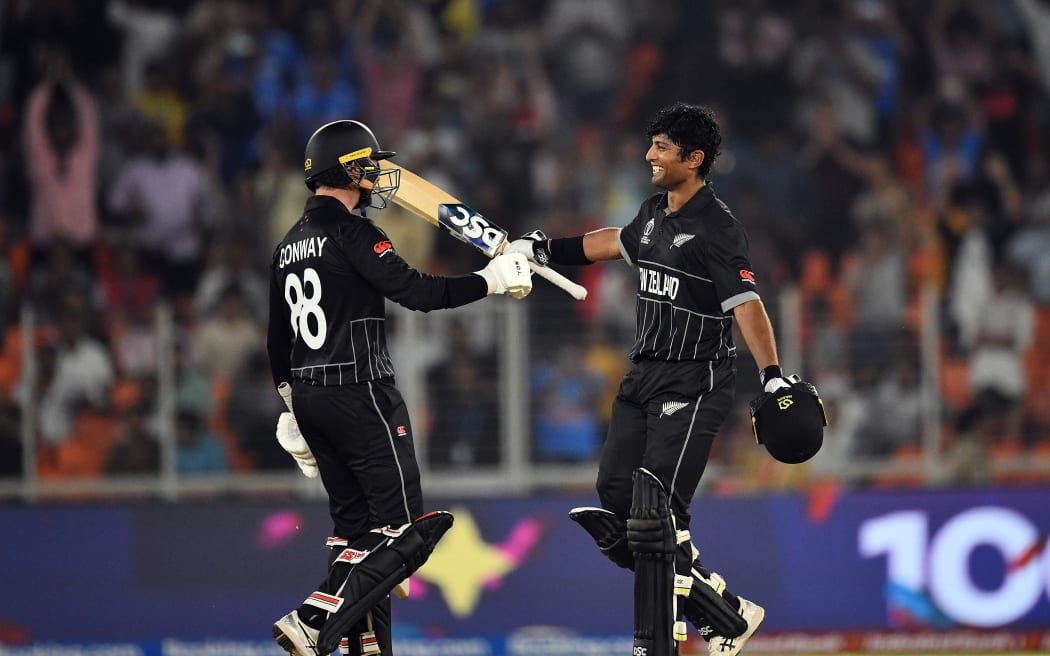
(680,239)
(671,407)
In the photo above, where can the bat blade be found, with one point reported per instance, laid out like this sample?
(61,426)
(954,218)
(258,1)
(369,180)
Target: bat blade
(468,226)
(432,203)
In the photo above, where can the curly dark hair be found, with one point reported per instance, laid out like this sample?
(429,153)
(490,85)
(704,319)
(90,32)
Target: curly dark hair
(690,127)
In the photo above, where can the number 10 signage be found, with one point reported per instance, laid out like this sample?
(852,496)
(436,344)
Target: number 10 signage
(985,567)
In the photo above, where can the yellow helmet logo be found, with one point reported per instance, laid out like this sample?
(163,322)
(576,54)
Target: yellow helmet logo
(308,164)
(357,154)
(785,402)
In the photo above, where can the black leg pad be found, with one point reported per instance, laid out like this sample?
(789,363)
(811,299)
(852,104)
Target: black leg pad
(707,607)
(651,538)
(608,531)
(373,578)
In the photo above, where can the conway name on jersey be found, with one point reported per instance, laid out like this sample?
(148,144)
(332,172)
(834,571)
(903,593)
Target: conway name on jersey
(329,278)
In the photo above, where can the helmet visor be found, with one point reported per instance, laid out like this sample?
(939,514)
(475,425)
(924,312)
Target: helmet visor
(378,186)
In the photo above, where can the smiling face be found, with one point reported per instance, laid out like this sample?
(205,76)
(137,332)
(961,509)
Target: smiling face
(670,171)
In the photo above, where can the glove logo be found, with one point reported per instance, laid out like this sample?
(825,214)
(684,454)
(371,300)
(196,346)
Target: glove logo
(785,402)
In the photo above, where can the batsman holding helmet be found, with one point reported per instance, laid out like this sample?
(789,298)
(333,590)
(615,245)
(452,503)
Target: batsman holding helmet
(330,277)
(695,279)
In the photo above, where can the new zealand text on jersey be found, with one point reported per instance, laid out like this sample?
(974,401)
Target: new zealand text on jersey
(302,249)
(659,283)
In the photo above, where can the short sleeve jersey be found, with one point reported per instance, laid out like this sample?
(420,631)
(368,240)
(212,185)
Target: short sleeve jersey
(693,268)
(329,278)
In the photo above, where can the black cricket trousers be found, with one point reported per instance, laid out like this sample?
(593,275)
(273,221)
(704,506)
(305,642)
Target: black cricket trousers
(665,418)
(361,436)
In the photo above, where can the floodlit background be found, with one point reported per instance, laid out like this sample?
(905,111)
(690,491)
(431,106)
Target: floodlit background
(889,160)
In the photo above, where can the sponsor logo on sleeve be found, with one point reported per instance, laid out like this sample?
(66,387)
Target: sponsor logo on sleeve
(381,247)
(747,276)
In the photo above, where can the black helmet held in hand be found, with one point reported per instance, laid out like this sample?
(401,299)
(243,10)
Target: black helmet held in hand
(346,152)
(790,422)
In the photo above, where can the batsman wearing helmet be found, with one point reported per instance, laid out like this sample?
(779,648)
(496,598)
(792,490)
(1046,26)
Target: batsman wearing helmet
(695,280)
(346,421)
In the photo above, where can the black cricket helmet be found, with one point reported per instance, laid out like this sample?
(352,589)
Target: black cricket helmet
(345,152)
(790,422)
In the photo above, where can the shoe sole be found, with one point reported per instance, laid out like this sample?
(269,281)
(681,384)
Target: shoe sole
(759,615)
(284,642)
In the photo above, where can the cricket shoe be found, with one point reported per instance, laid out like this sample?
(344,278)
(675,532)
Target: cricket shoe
(295,637)
(753,614)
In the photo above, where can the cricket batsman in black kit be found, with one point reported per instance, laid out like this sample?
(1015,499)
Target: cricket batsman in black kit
(330,277)
(695,278)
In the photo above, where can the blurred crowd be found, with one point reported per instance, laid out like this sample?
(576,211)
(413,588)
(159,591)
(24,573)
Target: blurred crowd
(878,152)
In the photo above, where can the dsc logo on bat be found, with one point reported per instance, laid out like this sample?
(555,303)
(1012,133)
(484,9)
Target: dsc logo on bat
(467,225)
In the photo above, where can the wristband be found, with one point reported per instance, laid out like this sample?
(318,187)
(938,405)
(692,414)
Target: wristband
(567,250)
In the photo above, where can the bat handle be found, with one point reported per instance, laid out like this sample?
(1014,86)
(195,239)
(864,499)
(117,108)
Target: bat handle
(285,390)
(579,292)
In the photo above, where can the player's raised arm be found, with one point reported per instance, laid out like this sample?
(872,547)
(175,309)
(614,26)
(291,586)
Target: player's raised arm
(597,246)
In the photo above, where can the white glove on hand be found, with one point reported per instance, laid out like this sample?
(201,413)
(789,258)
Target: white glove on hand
(532,245)
(293,442)
(508,274)
(773,379)
(290,439)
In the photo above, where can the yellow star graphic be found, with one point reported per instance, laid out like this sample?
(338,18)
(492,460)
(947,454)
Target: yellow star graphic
(462,563)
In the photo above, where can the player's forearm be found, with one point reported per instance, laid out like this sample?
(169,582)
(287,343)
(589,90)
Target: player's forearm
(754,325)
(602,245)
(425,292)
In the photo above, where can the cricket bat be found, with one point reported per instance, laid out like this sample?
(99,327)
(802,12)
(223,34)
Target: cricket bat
(442,209)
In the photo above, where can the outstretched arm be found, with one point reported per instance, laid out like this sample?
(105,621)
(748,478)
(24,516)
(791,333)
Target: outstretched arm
(758,332)
(595,246)
(603,244)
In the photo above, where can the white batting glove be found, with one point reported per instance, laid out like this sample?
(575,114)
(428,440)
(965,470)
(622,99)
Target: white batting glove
(773,379)
(508,274)
(291,439)
(532,245)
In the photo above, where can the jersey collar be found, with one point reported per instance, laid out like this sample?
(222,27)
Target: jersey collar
(694,205)
(329,204)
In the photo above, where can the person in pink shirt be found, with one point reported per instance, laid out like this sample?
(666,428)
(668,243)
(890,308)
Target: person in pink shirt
(61,140)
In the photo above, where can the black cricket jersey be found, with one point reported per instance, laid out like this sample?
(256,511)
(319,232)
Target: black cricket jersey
(694,268)
(328,280)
